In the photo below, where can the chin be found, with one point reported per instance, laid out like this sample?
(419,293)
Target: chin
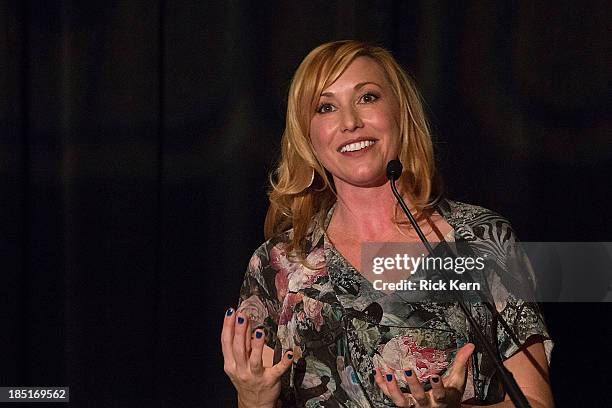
(371,177)
(375,183)
(367,181)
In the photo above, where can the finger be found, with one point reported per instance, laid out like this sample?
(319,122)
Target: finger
(227,336)
(255,359)
(438,392)
(416,389)
(279,368)
(380,381)
(239,342)
(394,392)
(458,369)
(248,336)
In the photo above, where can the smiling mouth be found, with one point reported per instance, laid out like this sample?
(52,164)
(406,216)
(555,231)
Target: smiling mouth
(353,147)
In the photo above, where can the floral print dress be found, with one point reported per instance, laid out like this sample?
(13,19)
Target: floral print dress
(340,328)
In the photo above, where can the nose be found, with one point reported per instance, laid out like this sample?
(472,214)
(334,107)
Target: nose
(351,120)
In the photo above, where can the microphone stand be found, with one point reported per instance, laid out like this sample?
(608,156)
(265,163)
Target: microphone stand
(512,388)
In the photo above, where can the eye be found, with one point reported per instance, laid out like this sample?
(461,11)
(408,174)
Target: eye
(368,98)
(325,108)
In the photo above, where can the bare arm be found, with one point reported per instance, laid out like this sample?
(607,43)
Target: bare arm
(529,367)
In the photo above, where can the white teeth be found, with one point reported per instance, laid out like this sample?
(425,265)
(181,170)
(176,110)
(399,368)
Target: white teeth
(352,147)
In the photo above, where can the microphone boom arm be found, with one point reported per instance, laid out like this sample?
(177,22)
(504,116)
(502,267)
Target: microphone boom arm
(514,391)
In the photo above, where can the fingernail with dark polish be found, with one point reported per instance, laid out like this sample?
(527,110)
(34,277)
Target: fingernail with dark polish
(229,312)
(435,379)
(290,356)
(240,320)
(374,373)
(258,334)
(389,377)
(408,373)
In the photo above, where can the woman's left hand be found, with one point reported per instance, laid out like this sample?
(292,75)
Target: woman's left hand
(443,394)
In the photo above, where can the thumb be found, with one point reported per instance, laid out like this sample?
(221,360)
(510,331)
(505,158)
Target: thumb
(460,363)
(279,368)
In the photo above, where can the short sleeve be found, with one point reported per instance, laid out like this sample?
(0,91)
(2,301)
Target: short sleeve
(526,320)
(508,286)
(514,295)
(258,297)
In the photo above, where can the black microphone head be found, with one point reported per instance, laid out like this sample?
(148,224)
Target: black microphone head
(394,170)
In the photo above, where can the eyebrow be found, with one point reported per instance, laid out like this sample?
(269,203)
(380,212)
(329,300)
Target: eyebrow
(356,87)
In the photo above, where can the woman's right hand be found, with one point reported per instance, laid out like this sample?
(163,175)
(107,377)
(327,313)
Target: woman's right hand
(257,386)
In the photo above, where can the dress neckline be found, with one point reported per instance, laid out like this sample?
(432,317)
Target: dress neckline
(442,208)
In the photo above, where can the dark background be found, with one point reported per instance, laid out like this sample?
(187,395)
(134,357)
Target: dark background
(135,143)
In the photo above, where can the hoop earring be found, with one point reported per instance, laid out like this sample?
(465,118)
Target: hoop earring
(311,178)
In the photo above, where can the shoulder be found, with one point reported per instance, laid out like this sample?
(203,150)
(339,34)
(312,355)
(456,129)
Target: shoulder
(278,241)
(470,213)
(482,222)
(277,248)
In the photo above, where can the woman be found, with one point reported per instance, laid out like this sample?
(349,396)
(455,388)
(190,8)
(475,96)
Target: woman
(311,330)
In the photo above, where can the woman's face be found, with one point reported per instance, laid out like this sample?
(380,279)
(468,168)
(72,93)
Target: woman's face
(355,129)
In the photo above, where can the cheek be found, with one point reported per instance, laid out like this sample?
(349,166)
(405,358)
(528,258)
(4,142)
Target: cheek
(319,137)
(381,118)
(390,123)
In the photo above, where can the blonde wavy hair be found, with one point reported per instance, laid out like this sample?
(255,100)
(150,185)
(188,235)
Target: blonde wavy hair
(302,190)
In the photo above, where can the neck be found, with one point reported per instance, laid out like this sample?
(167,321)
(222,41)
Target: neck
(366,212)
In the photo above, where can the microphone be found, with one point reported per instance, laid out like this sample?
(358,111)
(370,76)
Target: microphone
(394,171)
